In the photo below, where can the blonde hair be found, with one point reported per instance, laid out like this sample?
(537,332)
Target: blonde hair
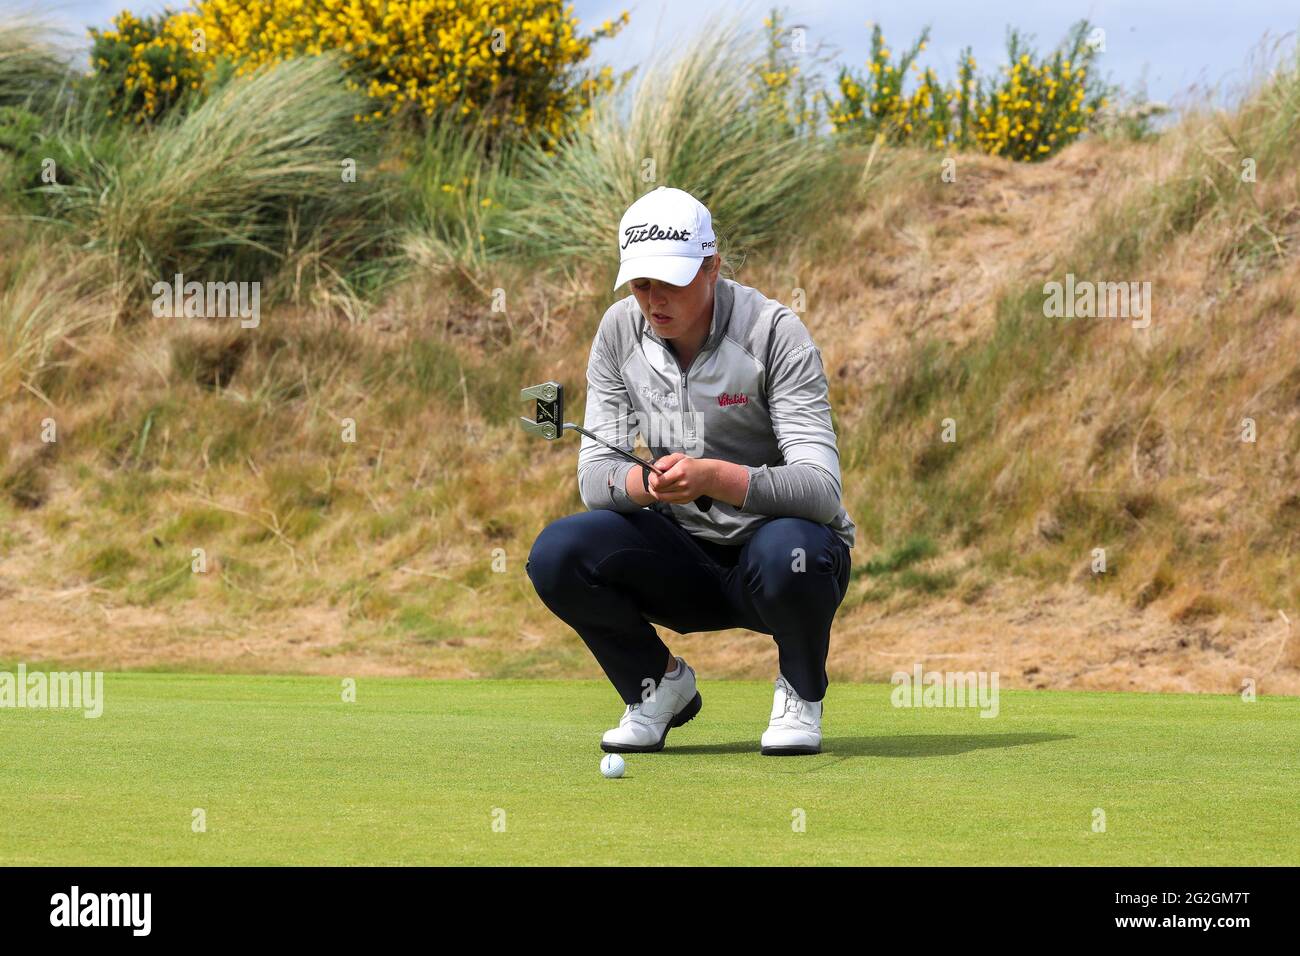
(724,267)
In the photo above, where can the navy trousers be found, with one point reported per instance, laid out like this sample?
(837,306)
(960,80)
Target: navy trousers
(610,575)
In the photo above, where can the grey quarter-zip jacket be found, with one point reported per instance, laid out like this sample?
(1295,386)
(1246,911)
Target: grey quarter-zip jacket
(755,395)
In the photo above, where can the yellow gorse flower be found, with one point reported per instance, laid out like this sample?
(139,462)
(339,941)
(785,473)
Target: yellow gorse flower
(417,55)
(779,87)
(1032,110)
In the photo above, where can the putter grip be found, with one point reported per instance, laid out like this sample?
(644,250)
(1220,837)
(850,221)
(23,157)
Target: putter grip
(703,502)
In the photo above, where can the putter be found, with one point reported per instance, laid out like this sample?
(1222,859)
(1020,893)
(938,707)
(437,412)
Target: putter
(550,424)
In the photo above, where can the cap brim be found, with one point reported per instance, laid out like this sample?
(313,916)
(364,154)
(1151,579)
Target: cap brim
(675,270)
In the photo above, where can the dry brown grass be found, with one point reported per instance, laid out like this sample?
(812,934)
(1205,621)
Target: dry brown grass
(376,557)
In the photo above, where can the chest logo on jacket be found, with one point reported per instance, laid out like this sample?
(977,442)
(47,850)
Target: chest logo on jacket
(738,398)
(661,399)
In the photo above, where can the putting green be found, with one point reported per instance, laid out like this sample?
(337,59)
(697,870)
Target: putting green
(492,772)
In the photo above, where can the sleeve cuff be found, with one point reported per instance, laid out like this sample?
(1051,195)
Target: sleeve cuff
(618,486)
(749,487)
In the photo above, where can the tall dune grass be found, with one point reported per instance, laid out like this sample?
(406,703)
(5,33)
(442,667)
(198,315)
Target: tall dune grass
(238,450)
(1208,189)
(692,123)
(455,187)
(33,70)
(238,186)
(43,302)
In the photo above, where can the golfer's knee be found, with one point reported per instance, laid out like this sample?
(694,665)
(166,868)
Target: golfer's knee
(555,551)
(792,561)
(562,549)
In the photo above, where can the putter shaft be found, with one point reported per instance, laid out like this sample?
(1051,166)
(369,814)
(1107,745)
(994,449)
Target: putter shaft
(704,502)
(626,454)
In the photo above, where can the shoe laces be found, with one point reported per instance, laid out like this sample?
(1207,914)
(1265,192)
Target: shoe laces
(637,712)
(793,702)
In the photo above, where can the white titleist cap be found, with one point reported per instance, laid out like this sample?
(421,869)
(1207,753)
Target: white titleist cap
(664,235)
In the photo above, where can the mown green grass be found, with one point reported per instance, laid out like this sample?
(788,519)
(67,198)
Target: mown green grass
(413,771)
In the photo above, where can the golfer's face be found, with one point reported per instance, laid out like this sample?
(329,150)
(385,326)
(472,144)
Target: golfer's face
(675,309)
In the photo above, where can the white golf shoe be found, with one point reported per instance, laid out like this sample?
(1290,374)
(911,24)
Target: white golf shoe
(644,726)
(796,724)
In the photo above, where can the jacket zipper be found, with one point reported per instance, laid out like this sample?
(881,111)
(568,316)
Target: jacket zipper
(684,397)
(684,377)
(686,401)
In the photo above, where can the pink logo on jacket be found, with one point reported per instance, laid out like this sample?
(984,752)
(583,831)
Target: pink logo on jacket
(740,398)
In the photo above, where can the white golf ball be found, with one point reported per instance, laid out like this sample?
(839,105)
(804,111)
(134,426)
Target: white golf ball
(612,766)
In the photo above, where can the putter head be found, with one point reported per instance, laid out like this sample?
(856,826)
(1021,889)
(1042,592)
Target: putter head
(549,419)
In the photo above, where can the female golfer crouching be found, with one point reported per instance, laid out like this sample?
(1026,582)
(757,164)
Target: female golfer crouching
(700,364)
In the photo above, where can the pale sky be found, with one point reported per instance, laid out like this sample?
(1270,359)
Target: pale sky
(1172,44)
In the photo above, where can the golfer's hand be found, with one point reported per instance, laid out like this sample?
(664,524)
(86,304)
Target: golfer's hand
(684,479)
